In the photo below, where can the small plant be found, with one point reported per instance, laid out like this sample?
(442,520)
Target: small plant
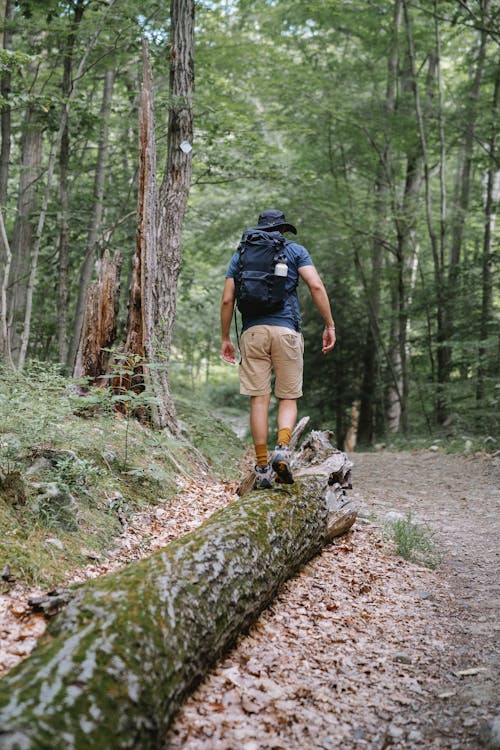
(413,542)
(76,474)
(131,393)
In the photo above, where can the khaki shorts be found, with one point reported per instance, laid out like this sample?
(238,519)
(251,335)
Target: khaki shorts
(271,348)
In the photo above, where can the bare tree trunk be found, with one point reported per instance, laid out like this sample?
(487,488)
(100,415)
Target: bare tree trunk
(5,129)
(441,336)
(24,230)
(67,83)
(99,321)
(173,196)
(5,125)
(405,259)
(142,301)
(96,218)
(5,352)
(490,205)
(461,209)
(464,178)
(366,408)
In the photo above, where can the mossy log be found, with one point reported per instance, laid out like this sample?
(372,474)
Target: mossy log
(114,666)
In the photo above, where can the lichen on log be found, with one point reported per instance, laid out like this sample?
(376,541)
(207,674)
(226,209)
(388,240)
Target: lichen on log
(115,665)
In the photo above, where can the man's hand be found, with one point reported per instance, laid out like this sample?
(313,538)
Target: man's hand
(227,352)
(329,339)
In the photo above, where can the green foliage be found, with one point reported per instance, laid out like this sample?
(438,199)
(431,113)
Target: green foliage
(33,404)
(413,542)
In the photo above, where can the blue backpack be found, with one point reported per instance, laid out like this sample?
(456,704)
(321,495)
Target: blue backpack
(262,272)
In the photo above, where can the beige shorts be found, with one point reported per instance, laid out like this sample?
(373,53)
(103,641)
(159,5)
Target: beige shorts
(266,349)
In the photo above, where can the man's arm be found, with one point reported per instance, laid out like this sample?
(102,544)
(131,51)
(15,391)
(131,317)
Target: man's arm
(320,299)
(226,314)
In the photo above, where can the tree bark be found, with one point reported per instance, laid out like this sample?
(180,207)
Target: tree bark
(443,360)
(142,301)
(96,218)
(115,665)
(5,117)
(173,198)
(382,189)
(99,321)
(64,154)
(490,206)
(5,148)
(4,326)
(24,230)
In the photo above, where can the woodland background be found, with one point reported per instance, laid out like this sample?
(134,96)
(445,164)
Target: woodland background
(372,124)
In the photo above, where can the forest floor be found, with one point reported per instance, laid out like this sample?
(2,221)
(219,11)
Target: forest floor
(361,649)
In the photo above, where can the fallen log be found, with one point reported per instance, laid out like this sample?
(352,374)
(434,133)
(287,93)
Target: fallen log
(114,666)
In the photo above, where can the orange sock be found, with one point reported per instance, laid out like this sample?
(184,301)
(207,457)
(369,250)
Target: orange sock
(261,454)
(284,435)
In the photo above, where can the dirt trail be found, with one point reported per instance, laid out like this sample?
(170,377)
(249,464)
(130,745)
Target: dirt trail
(459,498)
(363,650)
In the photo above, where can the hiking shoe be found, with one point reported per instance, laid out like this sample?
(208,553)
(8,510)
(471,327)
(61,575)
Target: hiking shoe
(282,464)
(263,478)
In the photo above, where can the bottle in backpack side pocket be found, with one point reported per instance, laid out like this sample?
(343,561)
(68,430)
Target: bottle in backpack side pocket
(281,269)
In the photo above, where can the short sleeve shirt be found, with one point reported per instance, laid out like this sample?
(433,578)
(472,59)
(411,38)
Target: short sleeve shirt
(289,316)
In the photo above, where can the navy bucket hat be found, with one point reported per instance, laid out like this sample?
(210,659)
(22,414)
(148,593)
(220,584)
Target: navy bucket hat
(272,219)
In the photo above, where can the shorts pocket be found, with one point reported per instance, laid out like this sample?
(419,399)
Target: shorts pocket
(291,346)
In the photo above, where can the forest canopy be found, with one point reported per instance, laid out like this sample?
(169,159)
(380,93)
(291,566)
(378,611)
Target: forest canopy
(373,126)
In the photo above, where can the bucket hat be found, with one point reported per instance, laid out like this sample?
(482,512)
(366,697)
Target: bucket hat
(272,219)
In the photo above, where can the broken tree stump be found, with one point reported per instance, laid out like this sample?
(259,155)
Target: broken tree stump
(99,321)
(114,666)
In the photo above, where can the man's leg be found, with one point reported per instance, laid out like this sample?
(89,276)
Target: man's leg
(287,417)
(287,359)
(259,409)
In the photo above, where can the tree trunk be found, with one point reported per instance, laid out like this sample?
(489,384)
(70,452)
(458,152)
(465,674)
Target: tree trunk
(490,205)
(115,665)
(461,207)
(67,83)
(441,334)
(99,321)
(173,197)
(22,236)
(5,352)
(142,301)
(5,129)
(460,211)
(96,218)
(5,124)
(382,188)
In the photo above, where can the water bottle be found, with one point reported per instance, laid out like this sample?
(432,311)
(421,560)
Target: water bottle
(281,268)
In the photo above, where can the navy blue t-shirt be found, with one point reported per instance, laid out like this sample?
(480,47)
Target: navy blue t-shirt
(289,315)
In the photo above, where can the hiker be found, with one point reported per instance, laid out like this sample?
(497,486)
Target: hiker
(271,339)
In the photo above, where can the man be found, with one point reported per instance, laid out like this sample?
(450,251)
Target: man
(272,342)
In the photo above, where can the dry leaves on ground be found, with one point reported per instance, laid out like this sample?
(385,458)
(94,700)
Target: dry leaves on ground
(345,657)
(143,534)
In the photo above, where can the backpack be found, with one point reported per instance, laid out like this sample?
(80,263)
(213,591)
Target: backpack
(259,288)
